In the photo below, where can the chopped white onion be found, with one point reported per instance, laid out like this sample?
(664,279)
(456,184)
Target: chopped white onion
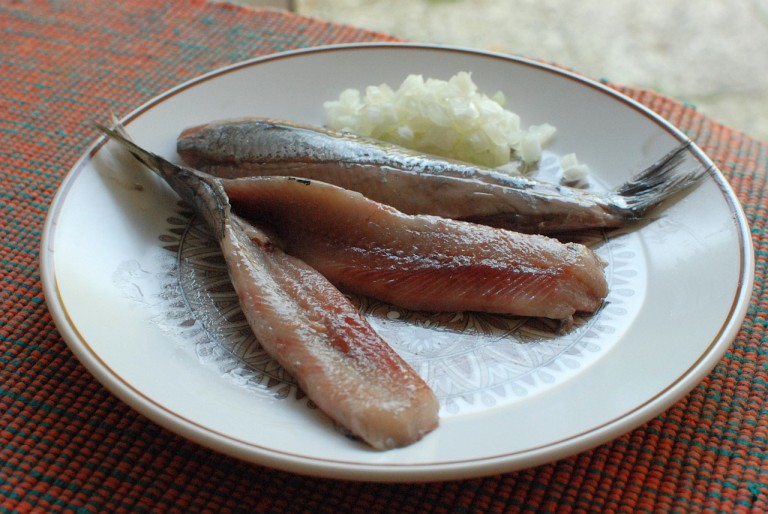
(449,118)
(573,172)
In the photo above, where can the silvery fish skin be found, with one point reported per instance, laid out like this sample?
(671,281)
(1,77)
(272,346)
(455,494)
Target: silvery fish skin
(415,183)
(306,324)
(421,262)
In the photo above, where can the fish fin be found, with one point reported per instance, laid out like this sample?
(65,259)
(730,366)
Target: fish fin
(149,159)
(200,190)
(659,181)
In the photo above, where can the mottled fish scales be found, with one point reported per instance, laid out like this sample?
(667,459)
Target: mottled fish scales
(416,183)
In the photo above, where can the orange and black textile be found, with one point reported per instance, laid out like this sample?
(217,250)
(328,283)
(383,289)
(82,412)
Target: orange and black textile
(69,445)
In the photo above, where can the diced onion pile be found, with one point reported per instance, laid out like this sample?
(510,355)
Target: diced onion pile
(448,118)
(573,171)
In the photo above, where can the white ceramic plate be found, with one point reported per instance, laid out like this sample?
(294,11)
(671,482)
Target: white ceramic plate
(136,291)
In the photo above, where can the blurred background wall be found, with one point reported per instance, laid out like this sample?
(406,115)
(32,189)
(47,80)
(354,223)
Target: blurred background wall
(710,53)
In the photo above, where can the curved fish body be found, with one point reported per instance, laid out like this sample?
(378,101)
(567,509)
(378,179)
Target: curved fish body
(415,183)
(420,262)
(306,324)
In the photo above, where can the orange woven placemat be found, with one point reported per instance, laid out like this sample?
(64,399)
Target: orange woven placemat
(67,444)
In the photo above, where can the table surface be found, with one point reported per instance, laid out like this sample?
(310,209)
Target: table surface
(67,444)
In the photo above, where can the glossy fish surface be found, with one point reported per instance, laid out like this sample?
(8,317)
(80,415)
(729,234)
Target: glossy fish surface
(306,324)
(420,262)
(415,183)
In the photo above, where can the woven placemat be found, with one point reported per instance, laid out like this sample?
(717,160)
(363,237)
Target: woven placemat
(67,444)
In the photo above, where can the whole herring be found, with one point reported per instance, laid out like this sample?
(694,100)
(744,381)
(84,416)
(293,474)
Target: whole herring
(415,183)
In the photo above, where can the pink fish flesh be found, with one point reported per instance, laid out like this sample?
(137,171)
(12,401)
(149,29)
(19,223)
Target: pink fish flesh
(420,262)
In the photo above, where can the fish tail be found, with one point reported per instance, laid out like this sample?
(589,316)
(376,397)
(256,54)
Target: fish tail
(203,192)
(659,181)
(149,159)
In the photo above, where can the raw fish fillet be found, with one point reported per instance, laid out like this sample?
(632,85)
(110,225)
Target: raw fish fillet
(420,262)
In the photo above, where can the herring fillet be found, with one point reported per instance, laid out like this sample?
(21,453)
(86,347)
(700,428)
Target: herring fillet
(319,337)
(416,183)
(306,324)
(421,262)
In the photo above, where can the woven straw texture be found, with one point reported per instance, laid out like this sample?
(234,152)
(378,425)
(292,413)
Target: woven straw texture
(67,444)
